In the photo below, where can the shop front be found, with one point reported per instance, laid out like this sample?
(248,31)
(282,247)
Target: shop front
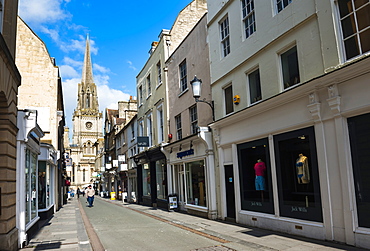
(28,150)
(299,159)
(47,181)
(192,174)
(152,178)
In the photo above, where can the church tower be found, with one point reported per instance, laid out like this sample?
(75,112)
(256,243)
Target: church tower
(87,126)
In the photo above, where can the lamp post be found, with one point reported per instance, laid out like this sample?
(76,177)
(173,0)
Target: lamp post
(196,86)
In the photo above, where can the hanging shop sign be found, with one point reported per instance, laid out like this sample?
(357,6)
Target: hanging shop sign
(142,141)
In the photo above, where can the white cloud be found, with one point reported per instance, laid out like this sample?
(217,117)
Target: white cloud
(72,62)
(131,66)
(54,34)
(39,12)
(108,97)
(101,69)
(68,71)
(78,45)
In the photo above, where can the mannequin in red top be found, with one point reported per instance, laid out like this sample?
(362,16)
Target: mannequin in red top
(260,169)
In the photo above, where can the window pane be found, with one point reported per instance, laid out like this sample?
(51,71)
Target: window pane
(161,175)
(359,3)
(256,192)
(359,134)
(229,106)
(363,17)
(348,26)
(33,184)
(290,69)
(365,41)
(146,179)
(298,178)
(42,185)
(195,183)
(351,46)
(254,86)
(345,7)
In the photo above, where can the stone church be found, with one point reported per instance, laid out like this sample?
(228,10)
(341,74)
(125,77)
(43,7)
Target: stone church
(87,128)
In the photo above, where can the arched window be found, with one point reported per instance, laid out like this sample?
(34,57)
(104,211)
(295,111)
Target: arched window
(88,100)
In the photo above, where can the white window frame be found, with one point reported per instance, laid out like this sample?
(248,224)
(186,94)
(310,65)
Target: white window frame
(225,36)
(159,74)
(140,93)
(224,98)
(183,75)
(249,82)
(160,123)
(149,85)
(193,118)
(149,126)
(249,18)
(283,84)
(284,4)
(140,127)
(178,128)
(356,33)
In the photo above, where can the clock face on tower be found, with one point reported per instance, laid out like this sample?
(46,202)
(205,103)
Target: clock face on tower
(88,125)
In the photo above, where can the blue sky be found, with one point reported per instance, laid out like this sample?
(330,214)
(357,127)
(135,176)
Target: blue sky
(120,31)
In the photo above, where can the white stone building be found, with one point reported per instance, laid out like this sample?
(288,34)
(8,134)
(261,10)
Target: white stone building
(87,127)
(291,79)
(40,92)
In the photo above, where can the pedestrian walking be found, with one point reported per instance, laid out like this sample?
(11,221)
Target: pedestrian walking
(78,192)
(90,192)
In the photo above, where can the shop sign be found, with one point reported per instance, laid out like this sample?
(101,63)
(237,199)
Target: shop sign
(172,202)
(115,163)
(142,141)
(183,154)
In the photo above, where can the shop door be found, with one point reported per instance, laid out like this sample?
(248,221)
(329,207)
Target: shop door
(230,193)
(180,186)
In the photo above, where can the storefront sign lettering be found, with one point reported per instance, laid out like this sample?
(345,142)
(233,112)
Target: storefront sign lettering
(256,204)
(299,209)
(183,154)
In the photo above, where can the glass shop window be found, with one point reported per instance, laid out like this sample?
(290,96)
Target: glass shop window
(196,183)
(161,177)
(146,180)
(359,135)
(297,173)
(255,176)
(43,186)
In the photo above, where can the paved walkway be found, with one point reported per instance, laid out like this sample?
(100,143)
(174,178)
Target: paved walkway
(64,231)
(70,229)
(236,236)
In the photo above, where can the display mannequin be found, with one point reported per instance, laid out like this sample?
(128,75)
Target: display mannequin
(303,173)
(260,169)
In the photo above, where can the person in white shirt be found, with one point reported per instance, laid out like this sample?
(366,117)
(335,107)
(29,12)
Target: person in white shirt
(90,192)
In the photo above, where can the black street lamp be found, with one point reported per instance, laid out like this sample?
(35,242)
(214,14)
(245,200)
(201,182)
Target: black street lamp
(196,86)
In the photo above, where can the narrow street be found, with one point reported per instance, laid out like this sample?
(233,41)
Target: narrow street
(123,226)
(120,228)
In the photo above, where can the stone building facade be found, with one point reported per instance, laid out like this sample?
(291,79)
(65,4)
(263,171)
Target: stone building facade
(87,126)
(9,83)
(152,117)
(41,91)
(289,80)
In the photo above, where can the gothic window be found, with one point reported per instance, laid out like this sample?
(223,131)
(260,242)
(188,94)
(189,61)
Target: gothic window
(88,101)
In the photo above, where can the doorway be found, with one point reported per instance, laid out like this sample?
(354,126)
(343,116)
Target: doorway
(230,193)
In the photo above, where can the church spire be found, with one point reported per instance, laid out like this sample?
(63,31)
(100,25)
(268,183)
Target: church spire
(87,100)
(87,75)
